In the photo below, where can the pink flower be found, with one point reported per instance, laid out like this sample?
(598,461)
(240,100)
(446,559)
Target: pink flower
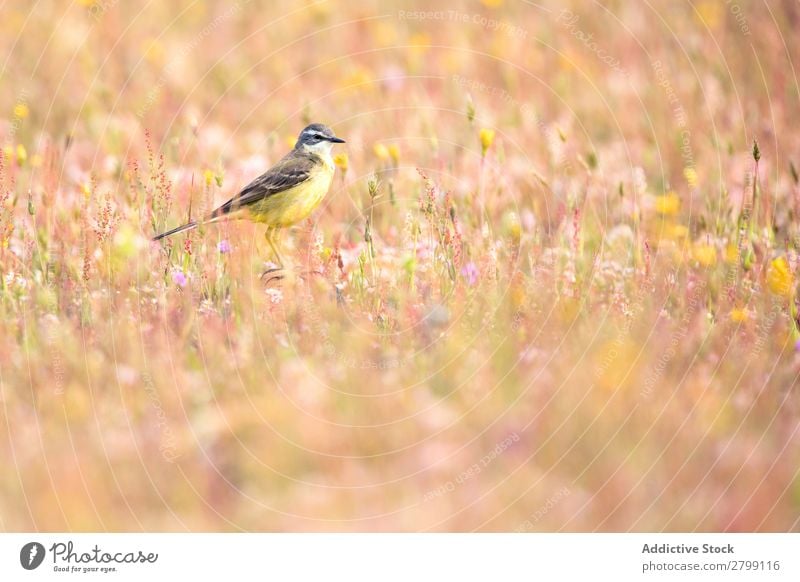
(224,247)
(470,273)
(179,278)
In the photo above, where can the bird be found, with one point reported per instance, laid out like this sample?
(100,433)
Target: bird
(285,194)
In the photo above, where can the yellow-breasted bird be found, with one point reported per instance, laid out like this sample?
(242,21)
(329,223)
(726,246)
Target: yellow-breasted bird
(287,193)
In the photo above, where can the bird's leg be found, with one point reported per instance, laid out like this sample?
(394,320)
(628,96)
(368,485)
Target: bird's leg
(273,273)
(271,235)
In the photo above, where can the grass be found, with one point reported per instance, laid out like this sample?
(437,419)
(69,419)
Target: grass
(556,283)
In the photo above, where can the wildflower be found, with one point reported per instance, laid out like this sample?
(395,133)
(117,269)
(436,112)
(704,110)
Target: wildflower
(797,346)
(154,51)
(738,315)
(384,34)
(487,138)
(704,254)
(359,81)
(341,161)
(675,231)
(224,246)
(669,204)
(22,154)
(512,226)
(21,111)
(179,278)
(731,253)
(208,175)
(518,297)
(275,295)
(779,277)
(470,273)
(420,42)
(381,151)
(394,153)
(708,13)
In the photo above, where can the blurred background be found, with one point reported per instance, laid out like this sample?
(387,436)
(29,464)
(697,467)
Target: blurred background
(542,304)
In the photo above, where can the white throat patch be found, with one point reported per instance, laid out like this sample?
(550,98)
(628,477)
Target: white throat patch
(322,148)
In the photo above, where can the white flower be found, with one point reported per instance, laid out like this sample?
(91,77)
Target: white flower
(275,295)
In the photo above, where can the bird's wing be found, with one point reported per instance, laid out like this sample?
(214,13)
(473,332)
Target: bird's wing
(295,168)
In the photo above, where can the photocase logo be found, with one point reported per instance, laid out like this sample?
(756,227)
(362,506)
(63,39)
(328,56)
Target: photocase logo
(31,555)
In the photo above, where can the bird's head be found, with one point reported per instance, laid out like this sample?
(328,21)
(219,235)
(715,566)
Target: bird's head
(317,138)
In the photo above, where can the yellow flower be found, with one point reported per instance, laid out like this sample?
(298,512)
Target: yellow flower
(154,51)
(208,176)
(615,364)
(358,81)
(731,253)
(341,161)
(492,3)
(779,277)
(518,298)
(709,13)
(384,34)
(419,42)
(394,153)
(704,254)
(487,138)
(675,231)
(691,177)
(86,189)
(569,308)
(21,110)
(381,151)
(512,226)
(668,204)
(738,315)
(22,155)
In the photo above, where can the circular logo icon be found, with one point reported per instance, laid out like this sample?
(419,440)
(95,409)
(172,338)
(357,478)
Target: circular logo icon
(31,555)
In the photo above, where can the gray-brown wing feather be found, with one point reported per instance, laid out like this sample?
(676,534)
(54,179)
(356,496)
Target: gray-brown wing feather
(293,169)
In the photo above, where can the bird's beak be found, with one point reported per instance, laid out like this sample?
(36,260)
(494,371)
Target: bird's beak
(336,140)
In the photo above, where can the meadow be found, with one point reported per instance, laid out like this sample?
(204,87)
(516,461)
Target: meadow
(552,288)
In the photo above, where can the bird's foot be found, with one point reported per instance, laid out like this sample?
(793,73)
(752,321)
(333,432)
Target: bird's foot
(273,275)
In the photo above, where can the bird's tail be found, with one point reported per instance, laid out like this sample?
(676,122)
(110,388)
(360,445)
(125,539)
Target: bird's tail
(187,226)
